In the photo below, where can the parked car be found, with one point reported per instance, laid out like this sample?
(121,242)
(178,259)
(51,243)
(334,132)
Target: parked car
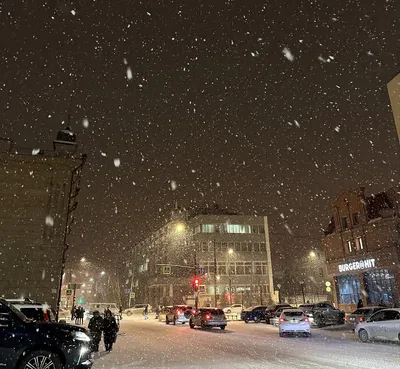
(253,314)
(383,325)
(294,321)
(178,314)
(270,311)
(361,315)
(308,310)
(208,317)
(233,309)
(136,309)
(325,313)
(34,310)
(275,319)
(163,313)
(26,344)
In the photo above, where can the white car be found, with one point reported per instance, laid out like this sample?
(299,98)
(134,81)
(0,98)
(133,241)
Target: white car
(384,325)
(33,310)
(294,321)
(233,309)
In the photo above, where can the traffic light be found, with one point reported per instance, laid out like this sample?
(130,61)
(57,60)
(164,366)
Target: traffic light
(196,283)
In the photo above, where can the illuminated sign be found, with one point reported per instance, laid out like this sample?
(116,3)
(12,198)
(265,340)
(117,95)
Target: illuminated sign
(357,265)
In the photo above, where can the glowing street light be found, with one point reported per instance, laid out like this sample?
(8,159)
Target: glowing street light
(91,279)
(103,272)
(312,254)
(230,251)
(83,260)
(180,227)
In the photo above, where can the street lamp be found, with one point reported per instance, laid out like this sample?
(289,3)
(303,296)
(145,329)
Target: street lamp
(230,251)
(83,260)
(312,254)
(103,272)
(180,227)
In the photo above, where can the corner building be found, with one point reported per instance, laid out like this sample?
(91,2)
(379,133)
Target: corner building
(229,253)
(362,248)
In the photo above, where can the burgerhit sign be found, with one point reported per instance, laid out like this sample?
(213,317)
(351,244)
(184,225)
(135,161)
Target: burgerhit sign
(357,265)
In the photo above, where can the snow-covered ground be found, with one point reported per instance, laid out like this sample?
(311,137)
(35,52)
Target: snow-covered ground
(151,344)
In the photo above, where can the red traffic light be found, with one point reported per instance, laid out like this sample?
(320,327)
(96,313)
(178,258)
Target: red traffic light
(196,281)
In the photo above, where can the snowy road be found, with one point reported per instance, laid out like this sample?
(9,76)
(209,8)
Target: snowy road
(151,344)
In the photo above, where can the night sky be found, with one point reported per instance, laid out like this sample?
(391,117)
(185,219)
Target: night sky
(265,107)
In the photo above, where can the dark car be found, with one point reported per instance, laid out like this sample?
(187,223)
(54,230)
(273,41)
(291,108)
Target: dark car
(271,310)
(26,344)
(325,313)
(361,315)
(208,318)
(178,314)
(253,314)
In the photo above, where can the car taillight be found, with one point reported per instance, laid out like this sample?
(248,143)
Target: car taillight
(178,311)
(305,320)
(282,320)
(208,316)
(361,319)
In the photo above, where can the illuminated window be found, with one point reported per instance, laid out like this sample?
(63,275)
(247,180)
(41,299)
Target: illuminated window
(208,228)
(360,243)
(238,228)
(349,246)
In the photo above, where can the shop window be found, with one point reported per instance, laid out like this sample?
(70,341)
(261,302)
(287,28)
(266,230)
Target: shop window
(208,228)
(360,244)
(344,223)
(380,286)
(348,289)
(356,218)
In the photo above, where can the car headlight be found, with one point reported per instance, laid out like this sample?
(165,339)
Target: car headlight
(80,336)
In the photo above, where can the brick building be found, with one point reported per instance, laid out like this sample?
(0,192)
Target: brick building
(394,95)
(231,253)
(35,187)
(362,248)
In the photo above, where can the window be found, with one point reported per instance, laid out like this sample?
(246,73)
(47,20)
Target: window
(231,269)
(261,229)
(380,285)
(254,229)
(356,218)
(263,246)
(344,222)
(238,228)
(249,246)
(257,267)
(348,289)
(244,246)
(197,229)
(217,246)
(360,244)
(208,228)
(221,269)
(248,269)
(350,246)
(237,246)
(224,246)
(204,247)
(240,268)
(256,246)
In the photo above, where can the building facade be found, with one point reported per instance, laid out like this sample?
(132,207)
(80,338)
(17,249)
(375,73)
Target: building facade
(394,96)
(35,192)
(228,253)
(362,248)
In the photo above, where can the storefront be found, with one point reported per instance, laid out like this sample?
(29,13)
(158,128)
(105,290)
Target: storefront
(371,279)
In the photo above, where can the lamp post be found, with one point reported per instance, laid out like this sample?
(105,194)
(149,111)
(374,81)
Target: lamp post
(230,252)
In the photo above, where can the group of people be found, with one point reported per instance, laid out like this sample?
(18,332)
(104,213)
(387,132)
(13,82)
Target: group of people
(107,325)
(77,313)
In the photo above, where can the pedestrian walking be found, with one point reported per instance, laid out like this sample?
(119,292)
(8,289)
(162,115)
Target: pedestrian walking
(82,314)
(146,312)
(110,329)
(77,311)
(73,311)
(96,327)
(360,304)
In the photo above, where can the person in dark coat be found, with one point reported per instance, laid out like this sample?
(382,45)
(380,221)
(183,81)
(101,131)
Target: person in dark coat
(110,329)
(146,312)
(96,327)
(73,311)
(360,304)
